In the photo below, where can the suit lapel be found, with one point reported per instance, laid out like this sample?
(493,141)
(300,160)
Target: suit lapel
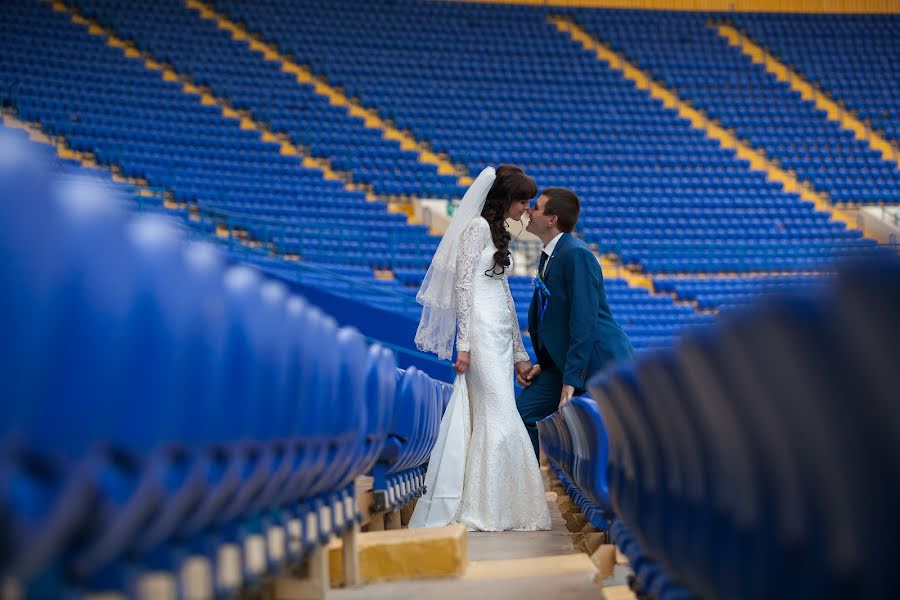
(552,260)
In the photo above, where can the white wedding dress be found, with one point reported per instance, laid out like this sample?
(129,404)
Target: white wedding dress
(483,472)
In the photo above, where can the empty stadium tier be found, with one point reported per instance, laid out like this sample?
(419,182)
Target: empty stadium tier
(215,217)
(736,456)
(164,408)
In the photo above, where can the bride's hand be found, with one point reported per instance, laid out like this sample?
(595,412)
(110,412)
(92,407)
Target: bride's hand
(462,362)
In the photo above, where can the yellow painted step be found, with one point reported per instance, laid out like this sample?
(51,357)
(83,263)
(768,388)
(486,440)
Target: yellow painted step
(751,6)
(613,267)
(636,278)
(403,207)
(538,566)
(406,554)
(618,592)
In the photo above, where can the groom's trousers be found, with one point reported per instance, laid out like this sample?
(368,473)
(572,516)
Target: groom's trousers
(540,400)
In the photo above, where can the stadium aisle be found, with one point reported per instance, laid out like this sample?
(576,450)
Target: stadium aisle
(509,565)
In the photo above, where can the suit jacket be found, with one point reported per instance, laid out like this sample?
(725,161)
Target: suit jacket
(578,330)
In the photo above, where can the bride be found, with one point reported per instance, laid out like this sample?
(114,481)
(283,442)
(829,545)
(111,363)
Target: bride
(482,472)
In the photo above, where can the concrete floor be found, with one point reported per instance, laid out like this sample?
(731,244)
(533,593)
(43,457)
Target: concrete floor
(509,565)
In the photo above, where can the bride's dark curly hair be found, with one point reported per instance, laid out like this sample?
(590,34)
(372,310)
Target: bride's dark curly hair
(510,185)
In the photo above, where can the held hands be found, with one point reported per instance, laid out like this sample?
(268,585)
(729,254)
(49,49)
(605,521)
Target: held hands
(525,372)
(462,362)
(567,392)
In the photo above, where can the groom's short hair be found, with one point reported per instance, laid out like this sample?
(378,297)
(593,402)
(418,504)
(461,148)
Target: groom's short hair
(565,205)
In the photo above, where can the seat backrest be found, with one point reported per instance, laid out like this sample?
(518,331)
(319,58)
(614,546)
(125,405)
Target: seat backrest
(419,439)
(242,383)
(88,351)
(381,388)
(276,399)
(204,282)
(407,415)
(595,451)
(382,385)
(353,354)
(31,266)
(434,402)
(154,339)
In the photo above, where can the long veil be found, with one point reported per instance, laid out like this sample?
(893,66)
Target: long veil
(437,295)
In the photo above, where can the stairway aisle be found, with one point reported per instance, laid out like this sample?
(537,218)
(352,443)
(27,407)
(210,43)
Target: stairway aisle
(509,565)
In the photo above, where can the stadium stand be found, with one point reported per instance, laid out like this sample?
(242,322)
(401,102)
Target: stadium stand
(656,192)
(172,33)
(687,54)
(729,293)
(202,397)
(738,464)
(131,117)
(850,57)
(177,402)
(313,218)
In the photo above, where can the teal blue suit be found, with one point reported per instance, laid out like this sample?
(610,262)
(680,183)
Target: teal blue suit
(575,337)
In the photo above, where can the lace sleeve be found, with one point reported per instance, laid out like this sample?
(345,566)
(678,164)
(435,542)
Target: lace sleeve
(519,353)
(471,243)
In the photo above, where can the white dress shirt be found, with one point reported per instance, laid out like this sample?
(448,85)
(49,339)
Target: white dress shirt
(548,250)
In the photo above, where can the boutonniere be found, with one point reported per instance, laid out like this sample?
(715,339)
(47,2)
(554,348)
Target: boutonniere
(542,292)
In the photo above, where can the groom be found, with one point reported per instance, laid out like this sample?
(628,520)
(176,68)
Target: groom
(569,320)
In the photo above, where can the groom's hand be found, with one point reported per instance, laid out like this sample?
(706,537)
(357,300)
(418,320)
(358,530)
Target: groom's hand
(462,362)
(524,371)
(527,378)
(567,392)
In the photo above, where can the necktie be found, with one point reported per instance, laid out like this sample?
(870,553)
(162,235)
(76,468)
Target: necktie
(543,296)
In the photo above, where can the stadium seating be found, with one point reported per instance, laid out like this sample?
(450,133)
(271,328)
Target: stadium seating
(161,405)
(649,578)
(166,402)
(656,192)
(758,458)
(729,293)
(685,53)
(400,470)
(574,441)
(198,48)
(130,117)
(651,322)
(744,223)
(850,57)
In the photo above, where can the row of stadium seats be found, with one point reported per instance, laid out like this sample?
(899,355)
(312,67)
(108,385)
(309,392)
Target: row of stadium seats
(649,579)
(759,458)
(575,443)
(686,54)
(161,406)
(734,292)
